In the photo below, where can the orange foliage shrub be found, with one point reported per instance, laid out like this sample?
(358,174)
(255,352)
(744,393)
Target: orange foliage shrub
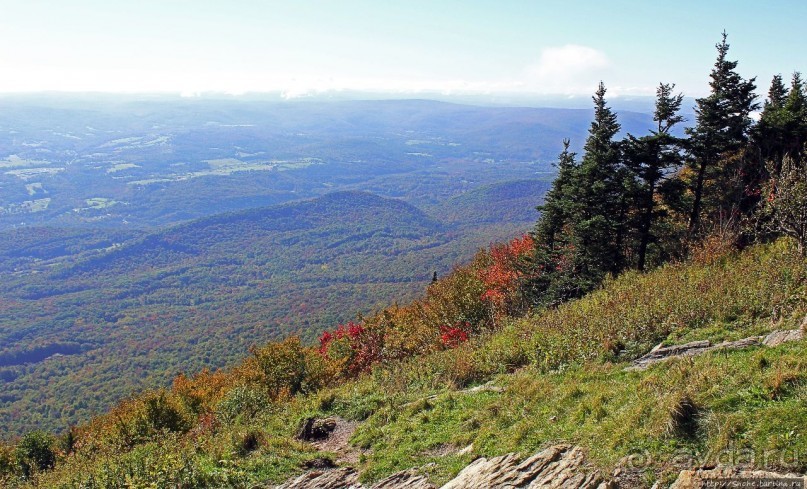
(502,276)
(202,391)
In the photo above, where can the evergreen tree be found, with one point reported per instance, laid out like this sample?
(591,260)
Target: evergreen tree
(558,203)
(650,158)
(722,126)
(795,115)
(777,93)
(782,128)
(554,241)
(583,216)
(770,133)
(599,192)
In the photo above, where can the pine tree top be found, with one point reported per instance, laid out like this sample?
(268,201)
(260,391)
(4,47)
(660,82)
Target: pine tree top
(724,116)
(604,126)
(777,94)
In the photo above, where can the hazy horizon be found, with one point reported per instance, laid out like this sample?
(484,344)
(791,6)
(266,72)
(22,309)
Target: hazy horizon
(454,49)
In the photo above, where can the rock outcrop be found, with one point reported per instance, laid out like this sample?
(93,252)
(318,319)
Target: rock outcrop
(343,478)
(694,348)
(560,466)
(408,479)
(348,478)
(778,337)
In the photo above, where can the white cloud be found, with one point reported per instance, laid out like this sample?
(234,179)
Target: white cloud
(567,69)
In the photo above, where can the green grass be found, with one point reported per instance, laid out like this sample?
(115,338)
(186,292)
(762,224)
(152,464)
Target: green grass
(564,377)
(744,404)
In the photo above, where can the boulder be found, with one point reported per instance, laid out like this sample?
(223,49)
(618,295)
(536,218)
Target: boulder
(314,429)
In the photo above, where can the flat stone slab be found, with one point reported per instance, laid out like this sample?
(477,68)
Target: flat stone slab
(659,353)
(408,479)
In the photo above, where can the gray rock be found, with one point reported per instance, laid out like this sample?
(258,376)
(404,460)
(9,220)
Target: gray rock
(739,344)
(344,478)
(559,466)
(659,354)
(408,479)
(783,336)
(348,478)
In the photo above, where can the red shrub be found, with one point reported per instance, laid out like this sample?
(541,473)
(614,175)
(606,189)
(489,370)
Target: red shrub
(357,346)
(501,276)
(453,336)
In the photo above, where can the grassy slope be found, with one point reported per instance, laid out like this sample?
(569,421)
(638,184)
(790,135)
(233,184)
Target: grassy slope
(563,375)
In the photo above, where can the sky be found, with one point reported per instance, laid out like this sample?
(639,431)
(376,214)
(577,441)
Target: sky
(300,47)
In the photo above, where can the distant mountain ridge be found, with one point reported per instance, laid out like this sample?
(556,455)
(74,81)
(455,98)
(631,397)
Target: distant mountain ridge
(124,163)
(512,201)
(357,215)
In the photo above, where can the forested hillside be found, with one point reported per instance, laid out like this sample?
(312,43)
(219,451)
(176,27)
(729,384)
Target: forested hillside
(89,317)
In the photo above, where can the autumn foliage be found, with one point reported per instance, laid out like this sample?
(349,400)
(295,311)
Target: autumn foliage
(453,336)
(503,275)
(353,347)
(468,301)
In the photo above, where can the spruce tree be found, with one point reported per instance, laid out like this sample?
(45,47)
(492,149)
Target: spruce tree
(558,205)
(551,282)
(782,127)
(723,120)
(777,93)
(649,159)
(795,115)
(770,133)
(583,216)
(599,191)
